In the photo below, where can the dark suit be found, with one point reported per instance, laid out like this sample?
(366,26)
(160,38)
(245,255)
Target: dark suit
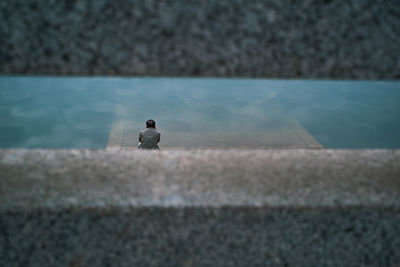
(149,139)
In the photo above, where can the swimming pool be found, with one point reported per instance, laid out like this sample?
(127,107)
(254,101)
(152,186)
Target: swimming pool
(108,112)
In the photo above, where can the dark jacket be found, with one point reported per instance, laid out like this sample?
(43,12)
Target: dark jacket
(149,139)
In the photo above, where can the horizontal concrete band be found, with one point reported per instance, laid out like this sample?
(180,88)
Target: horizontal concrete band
(259,38)
(200,208)
(209,178)
(200,236)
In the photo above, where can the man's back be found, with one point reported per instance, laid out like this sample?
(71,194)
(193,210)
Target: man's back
(149,139)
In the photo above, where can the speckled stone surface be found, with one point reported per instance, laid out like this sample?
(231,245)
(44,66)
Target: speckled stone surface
(200,208)
(258,38)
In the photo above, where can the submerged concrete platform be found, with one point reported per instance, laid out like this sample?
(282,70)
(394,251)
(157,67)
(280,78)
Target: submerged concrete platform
(279,131)
(200,208)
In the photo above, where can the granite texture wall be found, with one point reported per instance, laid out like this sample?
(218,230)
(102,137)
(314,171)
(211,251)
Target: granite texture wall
(258,38)
(200,208)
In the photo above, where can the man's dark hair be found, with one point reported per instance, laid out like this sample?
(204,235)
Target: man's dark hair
(150,124)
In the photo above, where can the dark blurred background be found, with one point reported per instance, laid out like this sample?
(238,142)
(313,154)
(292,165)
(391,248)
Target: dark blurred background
(358,39)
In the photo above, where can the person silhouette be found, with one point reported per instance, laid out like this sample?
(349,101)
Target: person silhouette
(149,138)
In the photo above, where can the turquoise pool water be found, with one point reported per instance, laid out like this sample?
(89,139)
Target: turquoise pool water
(87,112)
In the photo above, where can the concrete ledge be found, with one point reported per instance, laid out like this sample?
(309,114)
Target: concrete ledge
(260,38)
(200,208)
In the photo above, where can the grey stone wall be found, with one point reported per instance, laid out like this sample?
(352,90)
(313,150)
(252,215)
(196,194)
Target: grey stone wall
(200,208)
(258,38)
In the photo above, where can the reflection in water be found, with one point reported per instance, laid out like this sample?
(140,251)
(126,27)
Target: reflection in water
(50,112)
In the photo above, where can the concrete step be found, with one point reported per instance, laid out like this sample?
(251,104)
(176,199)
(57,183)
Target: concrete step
(200,208)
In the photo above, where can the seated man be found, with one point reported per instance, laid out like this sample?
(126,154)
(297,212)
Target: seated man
(149,138)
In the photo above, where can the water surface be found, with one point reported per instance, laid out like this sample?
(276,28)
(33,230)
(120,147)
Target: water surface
(83,112)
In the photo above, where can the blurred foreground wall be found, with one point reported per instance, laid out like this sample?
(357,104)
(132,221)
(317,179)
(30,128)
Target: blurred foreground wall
(257,38)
